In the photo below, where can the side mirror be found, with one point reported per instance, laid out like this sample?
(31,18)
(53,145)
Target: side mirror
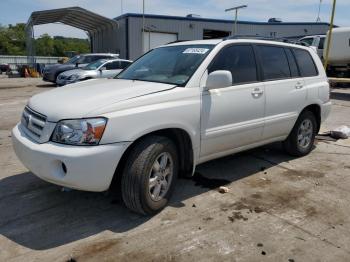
(102,69)
(219,79)
(76,64)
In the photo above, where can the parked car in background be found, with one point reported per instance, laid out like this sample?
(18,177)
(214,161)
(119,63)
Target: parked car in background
(51,72)
(316,42)
(99,69)
(176,107)
(4,68)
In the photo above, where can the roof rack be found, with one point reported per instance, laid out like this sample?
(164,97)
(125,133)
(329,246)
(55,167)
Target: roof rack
(258,37)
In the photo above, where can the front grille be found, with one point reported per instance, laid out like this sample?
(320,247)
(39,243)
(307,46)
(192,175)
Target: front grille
(33,122)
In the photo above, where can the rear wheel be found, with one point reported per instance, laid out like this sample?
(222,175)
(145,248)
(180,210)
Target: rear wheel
(301,140)
(149,175)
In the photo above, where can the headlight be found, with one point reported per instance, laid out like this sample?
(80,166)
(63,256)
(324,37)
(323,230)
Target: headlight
(73,77)
(80,131)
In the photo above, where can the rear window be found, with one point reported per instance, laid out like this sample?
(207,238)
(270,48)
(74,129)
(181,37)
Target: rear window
(305,62)
(274,63)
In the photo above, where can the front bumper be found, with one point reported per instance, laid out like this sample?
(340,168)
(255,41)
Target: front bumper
(49,77)
(89,168)
(63,82)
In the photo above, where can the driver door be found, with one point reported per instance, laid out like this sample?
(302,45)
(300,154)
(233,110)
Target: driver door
(233,117)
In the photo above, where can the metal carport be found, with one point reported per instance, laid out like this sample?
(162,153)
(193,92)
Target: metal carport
(93,24)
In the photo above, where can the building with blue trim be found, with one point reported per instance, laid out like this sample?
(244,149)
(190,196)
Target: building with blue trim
(160,29)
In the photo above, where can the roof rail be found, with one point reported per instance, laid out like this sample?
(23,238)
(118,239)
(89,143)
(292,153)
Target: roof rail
(258,37)
(177,41)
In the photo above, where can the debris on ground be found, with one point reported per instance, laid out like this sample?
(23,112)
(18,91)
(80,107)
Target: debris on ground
(341,132)
(260,245)
(223,190)
(237,216)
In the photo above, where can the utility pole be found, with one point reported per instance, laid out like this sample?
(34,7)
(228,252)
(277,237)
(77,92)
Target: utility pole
(143,25)
(318,19)
(329,38)
(236,8)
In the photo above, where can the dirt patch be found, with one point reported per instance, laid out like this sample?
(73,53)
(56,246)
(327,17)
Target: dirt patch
(296,174)
(273,200)
(237,216)
(258,182)
(93,250)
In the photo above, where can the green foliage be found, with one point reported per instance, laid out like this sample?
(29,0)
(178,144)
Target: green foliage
(13,42)
(12,39)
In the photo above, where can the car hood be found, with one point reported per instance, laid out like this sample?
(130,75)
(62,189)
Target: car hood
(59,67)
(81,99)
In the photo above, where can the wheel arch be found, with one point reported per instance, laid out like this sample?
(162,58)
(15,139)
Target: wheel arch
(316,110)
(184,146)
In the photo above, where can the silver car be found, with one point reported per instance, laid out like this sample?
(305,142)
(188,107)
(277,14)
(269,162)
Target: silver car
(103,68)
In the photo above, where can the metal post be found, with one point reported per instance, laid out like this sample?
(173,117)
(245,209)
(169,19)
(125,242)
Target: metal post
(330,35)
(318,19)
(143,26)
(234,30)
(236,17)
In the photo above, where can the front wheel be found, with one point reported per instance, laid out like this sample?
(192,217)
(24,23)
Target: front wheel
(301,140)
(149,175)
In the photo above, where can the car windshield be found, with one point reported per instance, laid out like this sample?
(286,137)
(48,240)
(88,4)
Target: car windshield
(73,60)
(95,65)
(170,64)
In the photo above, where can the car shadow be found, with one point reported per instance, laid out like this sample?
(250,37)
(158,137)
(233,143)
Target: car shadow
(48,85)
(40,216)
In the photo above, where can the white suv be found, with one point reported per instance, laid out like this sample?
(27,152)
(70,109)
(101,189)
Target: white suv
(175,107)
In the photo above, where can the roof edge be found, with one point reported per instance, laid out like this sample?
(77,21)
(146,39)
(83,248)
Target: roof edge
(200,19)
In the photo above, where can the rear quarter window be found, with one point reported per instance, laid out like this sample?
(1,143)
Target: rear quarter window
(274,63)
(306,63)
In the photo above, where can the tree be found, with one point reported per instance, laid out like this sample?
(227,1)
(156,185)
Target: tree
(13,42)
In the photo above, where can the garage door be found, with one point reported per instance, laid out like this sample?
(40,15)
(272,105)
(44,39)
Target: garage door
(153,39)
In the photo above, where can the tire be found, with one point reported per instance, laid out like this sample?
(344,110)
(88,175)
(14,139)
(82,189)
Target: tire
(301,139)
(141,170)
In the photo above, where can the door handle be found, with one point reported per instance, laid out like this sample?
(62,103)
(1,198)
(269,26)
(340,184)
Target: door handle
(257,92)
(299,85)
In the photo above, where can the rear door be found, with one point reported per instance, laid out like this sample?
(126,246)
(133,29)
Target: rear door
(284,87)
(112,69)
(233,117)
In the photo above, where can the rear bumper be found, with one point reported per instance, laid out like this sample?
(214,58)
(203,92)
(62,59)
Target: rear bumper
(325,110)
(89,168)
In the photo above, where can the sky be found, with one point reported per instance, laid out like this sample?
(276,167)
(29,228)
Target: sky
(15,11)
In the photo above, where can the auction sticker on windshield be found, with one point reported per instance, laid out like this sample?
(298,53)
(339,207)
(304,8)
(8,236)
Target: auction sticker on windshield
(200,51)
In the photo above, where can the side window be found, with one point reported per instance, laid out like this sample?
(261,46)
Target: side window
(124,64)
(274,63)
(321,44)
(292,63)
(239,60)
(113,65)
(306,63)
